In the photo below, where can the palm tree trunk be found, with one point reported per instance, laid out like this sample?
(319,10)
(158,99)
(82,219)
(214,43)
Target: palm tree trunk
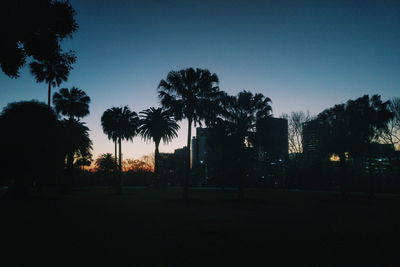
(115,158)
(70,160)
(49,95)
(120,155)
(187,169)
(118,185)
(69,171)
(156,169)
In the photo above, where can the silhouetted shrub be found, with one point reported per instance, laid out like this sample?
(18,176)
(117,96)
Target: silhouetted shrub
(31,144)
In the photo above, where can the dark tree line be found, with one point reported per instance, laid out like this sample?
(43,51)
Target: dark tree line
(348,130)
(194,95)
(32,32)
(31,147)
(38,144)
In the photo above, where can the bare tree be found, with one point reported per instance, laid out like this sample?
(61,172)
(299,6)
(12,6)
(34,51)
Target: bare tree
(145,163)
(391,135)
(295,129)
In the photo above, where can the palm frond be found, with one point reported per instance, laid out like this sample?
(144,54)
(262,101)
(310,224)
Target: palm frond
(190,93)
(72,103)
(156,124)
(120,122)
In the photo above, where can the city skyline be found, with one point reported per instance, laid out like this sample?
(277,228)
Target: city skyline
(282,119)
(304,56)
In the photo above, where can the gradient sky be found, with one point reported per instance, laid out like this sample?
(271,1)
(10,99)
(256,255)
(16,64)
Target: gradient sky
(304,55)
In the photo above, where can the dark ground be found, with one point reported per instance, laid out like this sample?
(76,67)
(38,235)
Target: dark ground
(154,227)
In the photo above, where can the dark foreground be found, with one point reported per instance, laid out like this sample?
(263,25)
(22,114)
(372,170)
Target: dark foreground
(149,227)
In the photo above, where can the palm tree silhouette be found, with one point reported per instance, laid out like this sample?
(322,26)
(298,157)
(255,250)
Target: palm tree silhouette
(83,159)
(190,94)
(242,111)
(76,140)
(73,103)
(157,124)
(241,114)
(54,71)
(105,163)
(108,122)
(120,123)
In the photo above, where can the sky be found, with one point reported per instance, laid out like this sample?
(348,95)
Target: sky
(304,55)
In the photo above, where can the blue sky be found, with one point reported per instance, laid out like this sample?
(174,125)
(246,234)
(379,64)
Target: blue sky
(304,55)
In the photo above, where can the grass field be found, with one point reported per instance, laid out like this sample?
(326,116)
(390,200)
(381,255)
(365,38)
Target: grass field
(154,227)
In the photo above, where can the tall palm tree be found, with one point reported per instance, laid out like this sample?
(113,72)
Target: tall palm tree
(157,124)
(73,102)
(54,71)
(120,123)
(108,122)
(241,113)
(190,94)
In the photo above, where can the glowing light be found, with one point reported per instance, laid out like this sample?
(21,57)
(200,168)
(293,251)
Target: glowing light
(334,157)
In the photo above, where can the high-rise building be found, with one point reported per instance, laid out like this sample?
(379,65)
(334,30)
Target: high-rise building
(311,140)
(272,139)
(199,148)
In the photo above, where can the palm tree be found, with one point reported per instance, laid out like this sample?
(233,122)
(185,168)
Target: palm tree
(71,102)
(120,123)
(108,122)
(84,159)
(54,71)
(190,94)
(242,113)
(105,163)
(76,140)
(157,124)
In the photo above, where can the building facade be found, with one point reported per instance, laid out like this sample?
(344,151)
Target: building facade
(199,156)
(272,139)
(311,140)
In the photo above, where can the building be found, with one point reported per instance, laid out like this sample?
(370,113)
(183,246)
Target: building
(271,145)
(199,148)
(379,159)
(199,156)
(272,139)
(172,166)
(377,167)
(272,148)
(311,143)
